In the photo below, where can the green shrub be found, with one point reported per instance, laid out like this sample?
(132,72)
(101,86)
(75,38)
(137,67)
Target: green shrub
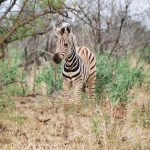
(115,78)
(8,72)
(11,76)
(104,75)
(48,77)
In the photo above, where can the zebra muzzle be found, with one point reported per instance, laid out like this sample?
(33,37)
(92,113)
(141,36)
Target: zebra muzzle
(57,58)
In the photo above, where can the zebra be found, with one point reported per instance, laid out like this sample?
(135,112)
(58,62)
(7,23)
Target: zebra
(79,69)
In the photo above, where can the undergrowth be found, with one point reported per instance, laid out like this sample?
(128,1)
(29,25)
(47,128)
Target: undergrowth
(52,77)
(116,77)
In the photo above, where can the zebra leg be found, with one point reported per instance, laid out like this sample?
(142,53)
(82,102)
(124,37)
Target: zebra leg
(78,85)
(91,82)
(77,98)
(66,108)
(65,95)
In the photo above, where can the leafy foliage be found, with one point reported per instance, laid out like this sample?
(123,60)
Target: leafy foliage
(48,76)
(115,78)
(55,4)
(8,72)
(10,75)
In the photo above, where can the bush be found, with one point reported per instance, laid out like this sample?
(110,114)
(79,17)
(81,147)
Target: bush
(115,78)
(8,72)
(11,75)
(48,77)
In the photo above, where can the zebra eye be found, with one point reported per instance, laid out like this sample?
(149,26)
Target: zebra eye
(66,44)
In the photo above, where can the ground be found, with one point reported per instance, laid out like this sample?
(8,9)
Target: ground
(38,123)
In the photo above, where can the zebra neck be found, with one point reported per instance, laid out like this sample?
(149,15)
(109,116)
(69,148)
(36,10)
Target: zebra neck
(72,58)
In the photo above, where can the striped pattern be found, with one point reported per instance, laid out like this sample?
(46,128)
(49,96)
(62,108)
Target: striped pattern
(79,71)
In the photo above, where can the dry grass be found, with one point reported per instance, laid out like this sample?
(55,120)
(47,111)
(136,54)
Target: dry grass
(38,123)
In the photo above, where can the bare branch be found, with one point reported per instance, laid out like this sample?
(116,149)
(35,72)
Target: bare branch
(8,10)
(32,34)
(85,14)
(76,13)
(20,24)
(120,28)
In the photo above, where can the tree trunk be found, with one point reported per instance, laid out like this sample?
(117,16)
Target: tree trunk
(4,51)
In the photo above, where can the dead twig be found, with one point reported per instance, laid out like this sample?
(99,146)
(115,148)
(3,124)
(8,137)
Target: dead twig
(43,120)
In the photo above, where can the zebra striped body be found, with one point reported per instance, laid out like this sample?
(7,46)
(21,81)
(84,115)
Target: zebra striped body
(79,69)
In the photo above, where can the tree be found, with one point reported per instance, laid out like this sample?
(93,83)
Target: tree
(106,20)
(30,19)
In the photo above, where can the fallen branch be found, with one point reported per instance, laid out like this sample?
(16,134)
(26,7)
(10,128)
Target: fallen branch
(43,120)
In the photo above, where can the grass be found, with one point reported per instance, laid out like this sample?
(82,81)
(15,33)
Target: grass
(37,123)
(120,121)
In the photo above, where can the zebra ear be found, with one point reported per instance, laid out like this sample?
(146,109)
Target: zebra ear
(57,31)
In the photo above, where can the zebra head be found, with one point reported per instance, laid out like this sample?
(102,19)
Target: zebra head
(65,42)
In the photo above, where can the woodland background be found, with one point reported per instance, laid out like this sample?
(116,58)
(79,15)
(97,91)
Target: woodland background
(31,112)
